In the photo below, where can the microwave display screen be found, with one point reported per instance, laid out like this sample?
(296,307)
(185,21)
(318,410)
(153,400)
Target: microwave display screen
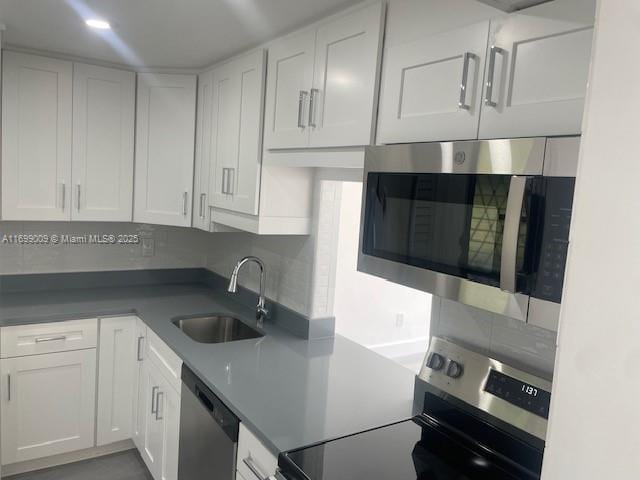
(518,393)
(451,224)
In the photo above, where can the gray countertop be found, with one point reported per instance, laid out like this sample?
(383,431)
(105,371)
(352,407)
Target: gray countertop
(291,392)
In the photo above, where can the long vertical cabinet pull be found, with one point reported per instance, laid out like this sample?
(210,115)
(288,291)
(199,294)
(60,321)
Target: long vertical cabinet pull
(231,181)
(203,197)
(159,396)
(154,406)
(9,387)
(78,197)
(64,195)
(139,356)
(225,172)
(488,99)
(312,107)
(464,84)
(185,201)
(302,100)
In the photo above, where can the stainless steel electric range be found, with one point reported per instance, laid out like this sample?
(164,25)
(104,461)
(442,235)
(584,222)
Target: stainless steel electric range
(479,420)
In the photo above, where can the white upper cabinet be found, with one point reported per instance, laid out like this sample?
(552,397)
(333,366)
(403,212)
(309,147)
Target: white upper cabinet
(342,100)
(165,132)
(432,88)
(537,71)
(36,138)
(321,85)
(103,132)
(238,99)
(201,212)
(460,72)
(290,77)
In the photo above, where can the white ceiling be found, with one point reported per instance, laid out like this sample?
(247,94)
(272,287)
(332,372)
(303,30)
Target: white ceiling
(156,33)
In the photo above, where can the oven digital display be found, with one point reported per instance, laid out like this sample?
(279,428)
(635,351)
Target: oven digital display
(518,393)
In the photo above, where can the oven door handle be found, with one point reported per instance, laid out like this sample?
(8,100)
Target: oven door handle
(513,215)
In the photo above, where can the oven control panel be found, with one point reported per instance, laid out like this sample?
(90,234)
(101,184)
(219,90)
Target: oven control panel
(505,392)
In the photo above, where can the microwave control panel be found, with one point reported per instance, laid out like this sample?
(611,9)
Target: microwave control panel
(555,240)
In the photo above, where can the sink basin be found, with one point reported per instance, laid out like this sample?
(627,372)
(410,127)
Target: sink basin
(215,328)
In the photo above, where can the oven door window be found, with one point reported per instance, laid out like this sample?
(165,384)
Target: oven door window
(448,223)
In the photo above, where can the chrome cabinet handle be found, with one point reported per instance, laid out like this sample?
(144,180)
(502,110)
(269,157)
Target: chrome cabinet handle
(159,395)
(513,214)
(312,107)
(464,84)
(231,181)
(251,465)
(225,180)
(488,99)
(139,354)
(51,339)
(302,100)
(9,387)
(203,196)
(154,407)
(78,197)
(185,200)
(64,195)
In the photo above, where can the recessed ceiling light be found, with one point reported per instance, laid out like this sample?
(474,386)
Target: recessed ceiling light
(99,24)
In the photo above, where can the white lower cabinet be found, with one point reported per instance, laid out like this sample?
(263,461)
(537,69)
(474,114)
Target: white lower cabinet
(115,379)
(255,461)
(139,389)
(161,416)
(156,418)
(48,404)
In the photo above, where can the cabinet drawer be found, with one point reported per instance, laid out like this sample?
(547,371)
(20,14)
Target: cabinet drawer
(36,339)
(165,359)
(252,452)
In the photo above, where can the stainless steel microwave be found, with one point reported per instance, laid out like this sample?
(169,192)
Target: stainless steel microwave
(484,223)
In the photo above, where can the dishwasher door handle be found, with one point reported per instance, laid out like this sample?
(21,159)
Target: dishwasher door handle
(251,465)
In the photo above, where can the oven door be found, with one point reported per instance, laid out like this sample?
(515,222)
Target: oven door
(457,220)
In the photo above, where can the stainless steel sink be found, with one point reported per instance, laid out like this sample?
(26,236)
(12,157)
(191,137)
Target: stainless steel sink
(215,328)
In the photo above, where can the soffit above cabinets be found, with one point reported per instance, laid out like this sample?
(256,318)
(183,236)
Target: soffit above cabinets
(156,33)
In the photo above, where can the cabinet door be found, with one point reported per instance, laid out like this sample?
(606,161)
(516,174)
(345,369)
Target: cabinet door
(103,132)
(432,88)
(116,363)
(139,386)
(48,404)
(201,213)
(36,138)
(162,425)
(165,132)
(342,102)
(537,71)
(290,78)
(168,407)
(151,441)
(239,99)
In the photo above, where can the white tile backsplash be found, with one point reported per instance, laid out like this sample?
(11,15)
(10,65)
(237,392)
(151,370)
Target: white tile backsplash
(512,341)
(288,259)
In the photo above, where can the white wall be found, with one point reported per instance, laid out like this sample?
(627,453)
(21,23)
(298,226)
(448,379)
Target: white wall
(386,317)
(595,413)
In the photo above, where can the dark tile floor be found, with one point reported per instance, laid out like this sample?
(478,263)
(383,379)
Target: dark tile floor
(120,466)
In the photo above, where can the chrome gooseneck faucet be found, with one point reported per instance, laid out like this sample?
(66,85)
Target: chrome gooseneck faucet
(261,311)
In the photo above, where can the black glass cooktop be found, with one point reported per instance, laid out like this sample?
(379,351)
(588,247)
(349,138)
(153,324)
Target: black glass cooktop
(418,449)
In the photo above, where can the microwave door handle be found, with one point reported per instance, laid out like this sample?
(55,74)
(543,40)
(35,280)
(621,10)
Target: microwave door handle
(513,215)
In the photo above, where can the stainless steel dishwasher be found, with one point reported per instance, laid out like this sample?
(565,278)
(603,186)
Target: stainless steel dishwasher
(208,433)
